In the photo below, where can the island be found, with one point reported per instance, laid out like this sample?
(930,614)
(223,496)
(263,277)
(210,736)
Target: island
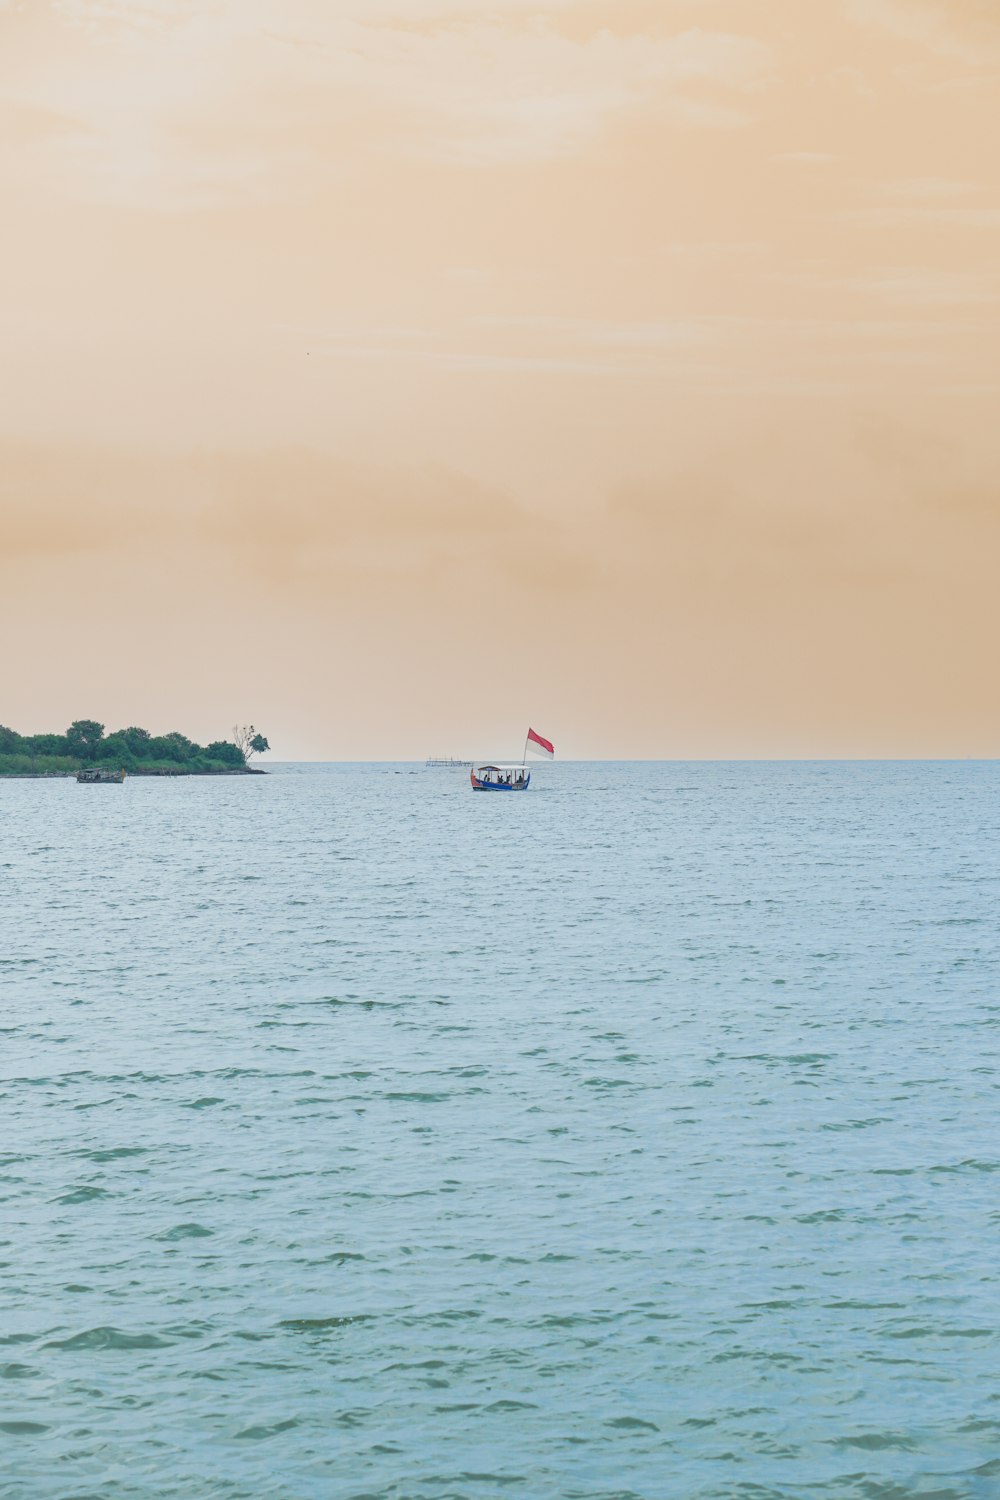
(135,751)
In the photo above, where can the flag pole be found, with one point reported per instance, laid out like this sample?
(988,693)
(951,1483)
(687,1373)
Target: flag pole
(524,757)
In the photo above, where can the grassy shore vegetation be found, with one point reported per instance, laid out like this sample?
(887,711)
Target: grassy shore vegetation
(136,750)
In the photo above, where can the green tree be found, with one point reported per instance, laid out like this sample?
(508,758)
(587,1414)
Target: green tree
(224,751)
(259,744)
(137,739)
(116,751)
(11,743)
(162,748)
(48,744)
(181,748)
(83,737)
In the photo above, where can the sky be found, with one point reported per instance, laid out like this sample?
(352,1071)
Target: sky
(398,373)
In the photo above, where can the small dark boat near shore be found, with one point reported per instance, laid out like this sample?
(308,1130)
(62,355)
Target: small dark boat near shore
(100,774)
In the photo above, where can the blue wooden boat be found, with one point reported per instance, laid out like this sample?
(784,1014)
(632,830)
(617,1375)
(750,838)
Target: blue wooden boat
(514,778)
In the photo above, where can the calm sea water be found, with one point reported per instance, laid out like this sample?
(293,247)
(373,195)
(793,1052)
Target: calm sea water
(634,1137)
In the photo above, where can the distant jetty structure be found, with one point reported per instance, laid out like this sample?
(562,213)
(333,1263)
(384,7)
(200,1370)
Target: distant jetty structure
(447,761)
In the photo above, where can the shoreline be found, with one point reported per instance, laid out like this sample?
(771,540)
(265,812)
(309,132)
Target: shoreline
(129,775)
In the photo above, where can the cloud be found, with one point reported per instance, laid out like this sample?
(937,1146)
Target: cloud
(919,287)
(965,30)
(932,189)
(184,105)
(526,343)
(939,215)
(282,515)
(806,158)
(484,93)
(724,353)
(916,286)
(29,124)
(770,577)
(933,202)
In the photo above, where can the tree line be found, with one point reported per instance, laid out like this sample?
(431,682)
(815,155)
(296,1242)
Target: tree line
(85,743)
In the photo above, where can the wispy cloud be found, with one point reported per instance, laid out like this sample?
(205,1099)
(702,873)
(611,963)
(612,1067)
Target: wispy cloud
(917,287)
(932,189)
(172,97)
(916,214)
(806,158)
(966,30)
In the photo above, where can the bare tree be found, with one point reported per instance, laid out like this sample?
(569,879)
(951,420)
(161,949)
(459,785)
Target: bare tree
(248,742)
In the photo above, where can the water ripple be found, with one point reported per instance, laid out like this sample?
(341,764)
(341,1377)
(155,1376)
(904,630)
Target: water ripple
(635,1140)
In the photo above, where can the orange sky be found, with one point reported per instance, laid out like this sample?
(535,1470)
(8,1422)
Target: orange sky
(398,372)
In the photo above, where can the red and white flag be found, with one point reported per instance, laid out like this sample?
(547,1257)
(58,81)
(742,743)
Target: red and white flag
(542,747)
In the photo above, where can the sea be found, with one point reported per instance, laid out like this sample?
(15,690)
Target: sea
(636,1137)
